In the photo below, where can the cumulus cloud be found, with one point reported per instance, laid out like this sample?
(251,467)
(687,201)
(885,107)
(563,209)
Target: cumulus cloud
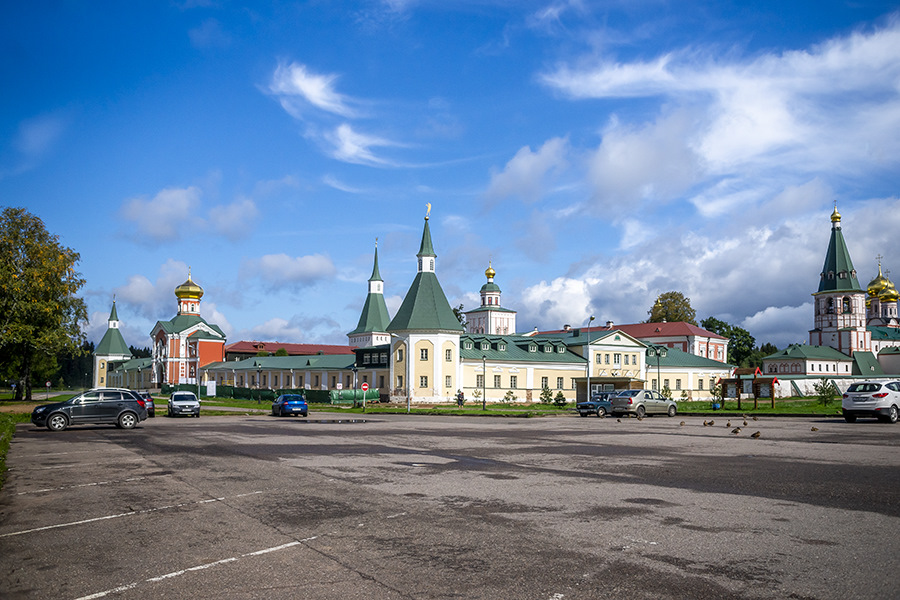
(298,329)
(289,271)
(294,81)
(778,324)
(235,220)
(525,175)
(153,299)
(165,216)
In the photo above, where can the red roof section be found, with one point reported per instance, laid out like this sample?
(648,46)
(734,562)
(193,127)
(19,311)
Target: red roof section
(292,349)
(651,330)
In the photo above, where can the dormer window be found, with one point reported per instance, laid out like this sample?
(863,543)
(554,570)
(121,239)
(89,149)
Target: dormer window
(548,348)
(485,345)
(561,349)
(501,346)
(532,347)
(467,345)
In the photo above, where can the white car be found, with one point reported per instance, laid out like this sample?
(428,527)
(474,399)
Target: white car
(184,403)
(877,399)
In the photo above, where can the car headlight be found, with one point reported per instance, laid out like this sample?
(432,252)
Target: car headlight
(39,409)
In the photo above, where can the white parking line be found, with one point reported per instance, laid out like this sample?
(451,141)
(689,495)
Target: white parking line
(223,561)
(125,514)
(81,485)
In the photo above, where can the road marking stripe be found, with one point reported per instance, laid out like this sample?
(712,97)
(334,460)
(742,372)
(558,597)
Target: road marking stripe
(216,563)
(81,485)
(125,514)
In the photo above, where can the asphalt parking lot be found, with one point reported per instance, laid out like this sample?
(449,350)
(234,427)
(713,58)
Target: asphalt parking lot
(413,507)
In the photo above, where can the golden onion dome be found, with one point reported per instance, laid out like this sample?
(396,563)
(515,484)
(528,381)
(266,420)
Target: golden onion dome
(835,216)
(490,272)
(189,289)
(889,294)
(878,285)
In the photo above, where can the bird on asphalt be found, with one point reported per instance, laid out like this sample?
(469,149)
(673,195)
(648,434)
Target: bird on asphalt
(755,418)
(736,430)
(618,420)
(813,428)
(682,424)
(711,423)
(755,435)
(728,424)
(706,423)
(745,423)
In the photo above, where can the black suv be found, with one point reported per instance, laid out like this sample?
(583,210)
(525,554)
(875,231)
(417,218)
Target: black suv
(121,407)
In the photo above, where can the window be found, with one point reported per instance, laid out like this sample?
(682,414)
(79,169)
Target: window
(423,354)
(275,381)
(333,382)
(532,348)
(399,354)
(513,382)
(677,384)
(381,381)
(496,381)
(448,381)
(544,382)
(654,386)
(573,383)
(317,381)
(479,381)
(423,381)
(559,383)
(700,384)
(501,346)
(448,355)
(399,381)
(712,384)
(548,348)
(383,357)
(599,359)
(666,384)
(606,358)
(561,349)
(366,359)
(485,345)
(617,359)
(468,345)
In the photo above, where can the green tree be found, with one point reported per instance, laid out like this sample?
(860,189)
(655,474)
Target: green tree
(509,397)
(546,395)
(281,352)
(672,307)
(740,342)
(560,399)
(140,352)
(40,315)
(825,391)
(666,392)
(458,312)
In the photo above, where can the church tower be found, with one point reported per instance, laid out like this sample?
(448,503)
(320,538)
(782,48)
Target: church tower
(371,330)
(490,318)
(840,302)
(424,363)
(111,348)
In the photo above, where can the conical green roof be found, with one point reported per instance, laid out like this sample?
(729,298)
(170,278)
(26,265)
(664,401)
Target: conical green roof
(113,315)
(426,249)
(425,307)
(376,275)
(838,274)
(374,315)
(112,344)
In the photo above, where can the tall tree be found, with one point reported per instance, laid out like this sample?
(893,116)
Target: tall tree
(672,307)
(458,312)
(740,342)
(40,315)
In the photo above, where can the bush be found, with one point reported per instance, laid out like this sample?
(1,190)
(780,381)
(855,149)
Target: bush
(559,400)
(546,396)
(825,391)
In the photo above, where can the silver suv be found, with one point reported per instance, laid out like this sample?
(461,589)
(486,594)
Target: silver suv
(877,399)
(184,403)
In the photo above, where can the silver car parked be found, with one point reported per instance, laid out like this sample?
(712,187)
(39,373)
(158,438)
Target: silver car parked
(879,399)
(642,402)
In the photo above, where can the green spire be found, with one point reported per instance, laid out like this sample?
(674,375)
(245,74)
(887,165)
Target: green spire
(376,275)
(426,249)
(113,316)
(838,274)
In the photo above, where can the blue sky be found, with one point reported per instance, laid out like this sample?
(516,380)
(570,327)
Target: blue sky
(599,153)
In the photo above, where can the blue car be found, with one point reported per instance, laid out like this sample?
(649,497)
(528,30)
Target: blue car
(290,404)
(599,405)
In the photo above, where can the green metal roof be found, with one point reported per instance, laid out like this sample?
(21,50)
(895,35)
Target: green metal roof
(491,308)
(426,248)
(517,349)
(490,287)
(865,364)
(376,275)
(134,364)
(276,363)
(885,333)
(113,315)
(425,307)
(838,274)
(374,316)
(112,344)
(807,352)
(183,322)
(676,357)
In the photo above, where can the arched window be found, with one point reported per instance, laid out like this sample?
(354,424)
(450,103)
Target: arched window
(847,305)
(830,306)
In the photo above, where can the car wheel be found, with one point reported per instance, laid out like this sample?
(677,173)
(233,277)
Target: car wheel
(57,422)
(640,411)
(672,411)
(303,414)
(601,412)
(892,415)
(127,420)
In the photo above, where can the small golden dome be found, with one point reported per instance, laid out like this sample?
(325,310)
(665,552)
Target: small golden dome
(889,294)
(878,285)
(835,216)
(189,289)
(490,272)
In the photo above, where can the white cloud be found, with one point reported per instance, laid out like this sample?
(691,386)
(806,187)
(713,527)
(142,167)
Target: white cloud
(209,34)
(780,325)
(524,176)
(293,81)
(352,147)
(153,299)
(38,135)
(166,215)
(284,270)
(235,220)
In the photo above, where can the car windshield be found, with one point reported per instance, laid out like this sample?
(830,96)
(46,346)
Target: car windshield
(183,397)
(628,393)
(292,398)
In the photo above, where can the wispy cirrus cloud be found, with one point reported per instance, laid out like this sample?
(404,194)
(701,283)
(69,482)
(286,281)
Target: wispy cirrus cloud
(296,86)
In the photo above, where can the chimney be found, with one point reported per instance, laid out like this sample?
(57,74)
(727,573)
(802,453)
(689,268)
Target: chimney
(609,324)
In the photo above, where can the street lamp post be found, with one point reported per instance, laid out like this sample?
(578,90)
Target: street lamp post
(258,380)
(658,352)
(588,399)
(484,382)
